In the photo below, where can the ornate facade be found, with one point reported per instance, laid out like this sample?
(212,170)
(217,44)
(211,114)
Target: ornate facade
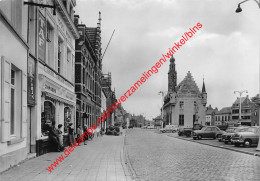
(184,104)
(88,67)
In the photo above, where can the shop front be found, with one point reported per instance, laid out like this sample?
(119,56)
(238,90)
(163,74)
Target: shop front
(57,107)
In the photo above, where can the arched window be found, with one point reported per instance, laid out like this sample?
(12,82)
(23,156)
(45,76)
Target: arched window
(47,117)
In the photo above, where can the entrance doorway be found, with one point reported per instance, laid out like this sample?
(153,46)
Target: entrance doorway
(29,130)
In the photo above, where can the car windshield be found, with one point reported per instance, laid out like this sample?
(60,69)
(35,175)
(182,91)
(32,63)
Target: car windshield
(252,129)
(230,130)
(203,129)
(241,129)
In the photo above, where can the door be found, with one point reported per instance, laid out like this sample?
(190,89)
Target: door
(213,132)
(28,138)
(206,133)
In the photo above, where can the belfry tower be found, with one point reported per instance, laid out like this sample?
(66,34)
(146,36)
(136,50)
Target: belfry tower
(204,94)
(172,76)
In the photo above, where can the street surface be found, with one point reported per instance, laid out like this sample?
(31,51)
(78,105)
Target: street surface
(99,160)
(155,157)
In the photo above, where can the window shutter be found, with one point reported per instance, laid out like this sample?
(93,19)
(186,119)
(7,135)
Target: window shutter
(5,97)
(24,105)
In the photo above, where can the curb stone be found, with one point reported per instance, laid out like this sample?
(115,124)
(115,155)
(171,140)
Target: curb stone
(128,164)
(124,162)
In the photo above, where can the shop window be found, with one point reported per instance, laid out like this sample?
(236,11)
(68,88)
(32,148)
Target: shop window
(47,117)
(67,118)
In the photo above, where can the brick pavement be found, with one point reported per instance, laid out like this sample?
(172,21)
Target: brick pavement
(156,157)
(100,160)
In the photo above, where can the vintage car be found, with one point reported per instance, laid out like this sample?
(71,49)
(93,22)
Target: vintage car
(247,138)
(169,128)
(208,132)
(226,138)
(185,131)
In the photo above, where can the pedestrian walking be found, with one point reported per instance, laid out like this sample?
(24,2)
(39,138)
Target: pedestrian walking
(71,133)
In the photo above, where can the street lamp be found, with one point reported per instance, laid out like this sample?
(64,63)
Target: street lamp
(240,95)
(238,10)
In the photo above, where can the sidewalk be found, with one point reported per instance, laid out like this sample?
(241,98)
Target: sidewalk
(99,160)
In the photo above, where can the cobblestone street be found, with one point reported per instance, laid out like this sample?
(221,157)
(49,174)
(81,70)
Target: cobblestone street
(160,157)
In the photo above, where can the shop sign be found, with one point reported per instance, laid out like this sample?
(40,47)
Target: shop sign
(31,82)
(50,88)
(41,37)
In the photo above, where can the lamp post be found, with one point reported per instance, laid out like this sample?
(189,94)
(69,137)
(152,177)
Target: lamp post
(238,10)
(162,93)
(240,95)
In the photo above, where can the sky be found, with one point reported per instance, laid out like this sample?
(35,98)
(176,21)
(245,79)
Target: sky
(225,50)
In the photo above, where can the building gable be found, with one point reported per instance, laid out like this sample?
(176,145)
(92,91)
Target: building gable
(188,86)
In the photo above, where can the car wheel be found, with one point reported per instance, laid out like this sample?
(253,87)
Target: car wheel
(164,131)
(247,143)
(194,138)
(173,131)
(226,142)
(199,137)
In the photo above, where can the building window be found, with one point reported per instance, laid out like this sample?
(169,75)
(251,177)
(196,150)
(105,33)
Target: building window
(181,104)
(12,115)
(181,120)
(69,66)
(50,45)
(15,101)
(59,56)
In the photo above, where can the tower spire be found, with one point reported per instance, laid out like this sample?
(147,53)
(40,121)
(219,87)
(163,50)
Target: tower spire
(99,20)
(203,86)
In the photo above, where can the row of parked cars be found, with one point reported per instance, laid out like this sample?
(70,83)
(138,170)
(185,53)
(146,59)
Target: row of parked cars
(243,135)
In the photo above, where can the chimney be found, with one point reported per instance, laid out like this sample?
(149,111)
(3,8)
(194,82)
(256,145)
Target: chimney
(76,19)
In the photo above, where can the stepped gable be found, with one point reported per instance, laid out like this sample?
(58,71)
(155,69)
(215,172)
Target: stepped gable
(188,85)
(92,35)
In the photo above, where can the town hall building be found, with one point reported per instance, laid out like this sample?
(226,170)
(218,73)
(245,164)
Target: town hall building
(184,104)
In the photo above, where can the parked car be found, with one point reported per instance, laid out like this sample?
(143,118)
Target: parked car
(130,126)
(150,127)
(247,138)
(208,132)
(226,138)
(144,127)
(185,131)
(169,128)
